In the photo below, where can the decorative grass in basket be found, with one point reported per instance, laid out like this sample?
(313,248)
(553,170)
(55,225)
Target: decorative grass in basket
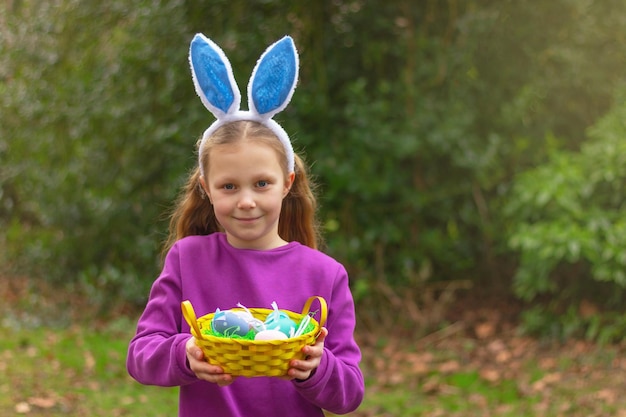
(244,357)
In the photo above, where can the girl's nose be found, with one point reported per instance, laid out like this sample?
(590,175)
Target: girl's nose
(246,201)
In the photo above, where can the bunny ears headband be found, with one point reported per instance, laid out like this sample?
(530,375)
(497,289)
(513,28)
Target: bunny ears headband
(270,88)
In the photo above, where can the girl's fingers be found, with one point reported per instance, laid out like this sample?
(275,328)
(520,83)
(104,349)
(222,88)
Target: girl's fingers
(203,369)
(213,374)
(302,369)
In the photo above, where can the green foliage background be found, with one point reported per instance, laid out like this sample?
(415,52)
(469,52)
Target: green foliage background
(451,139)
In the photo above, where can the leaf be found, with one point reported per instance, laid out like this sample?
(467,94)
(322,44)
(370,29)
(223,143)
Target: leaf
(490,374)
(22,408)
(449,367)
(90,362)
(485,330)
(42,402)
(547,380)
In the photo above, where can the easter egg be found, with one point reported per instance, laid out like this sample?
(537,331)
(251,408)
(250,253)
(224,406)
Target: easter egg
(270,335)
(278,320)
(253,323)
(229,323)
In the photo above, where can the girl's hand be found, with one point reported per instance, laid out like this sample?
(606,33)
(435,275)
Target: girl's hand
(303,369)
(202,368)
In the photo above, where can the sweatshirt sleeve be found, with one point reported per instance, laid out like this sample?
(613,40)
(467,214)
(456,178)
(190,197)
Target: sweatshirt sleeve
(337,384)
(156,355)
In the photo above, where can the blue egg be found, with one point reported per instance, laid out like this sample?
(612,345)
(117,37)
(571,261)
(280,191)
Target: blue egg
(229,323)
(278,320)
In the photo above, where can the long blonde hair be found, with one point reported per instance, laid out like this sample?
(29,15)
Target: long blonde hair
(193,213)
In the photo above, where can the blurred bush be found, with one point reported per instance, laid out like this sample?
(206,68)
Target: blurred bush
(475,140)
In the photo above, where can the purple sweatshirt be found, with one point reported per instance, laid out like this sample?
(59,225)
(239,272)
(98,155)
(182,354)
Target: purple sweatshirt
(211,273)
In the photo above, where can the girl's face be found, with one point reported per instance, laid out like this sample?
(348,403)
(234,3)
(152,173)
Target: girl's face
(246,185)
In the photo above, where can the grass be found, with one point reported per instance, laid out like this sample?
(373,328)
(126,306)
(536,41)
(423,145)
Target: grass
(55,365)
(74,371)
(502,375)
(462,394)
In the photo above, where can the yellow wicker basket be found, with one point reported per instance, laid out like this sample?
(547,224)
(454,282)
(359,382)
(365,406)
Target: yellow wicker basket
(249,358)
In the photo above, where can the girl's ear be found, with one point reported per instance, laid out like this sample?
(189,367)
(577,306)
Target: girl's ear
(288,183)
(205,189)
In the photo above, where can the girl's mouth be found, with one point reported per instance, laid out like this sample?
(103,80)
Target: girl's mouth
(247,219)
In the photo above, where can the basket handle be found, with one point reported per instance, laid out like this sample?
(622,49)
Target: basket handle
(190,317)
(323,310)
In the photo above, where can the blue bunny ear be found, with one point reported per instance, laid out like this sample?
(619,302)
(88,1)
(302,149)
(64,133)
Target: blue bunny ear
(274,79)
(213,77)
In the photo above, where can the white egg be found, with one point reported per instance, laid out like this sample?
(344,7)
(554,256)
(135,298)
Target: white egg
(270,335)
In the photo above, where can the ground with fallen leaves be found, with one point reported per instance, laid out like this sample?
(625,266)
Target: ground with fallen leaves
(479,364)
(499,375)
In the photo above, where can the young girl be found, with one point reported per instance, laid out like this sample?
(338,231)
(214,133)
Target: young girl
(244,232)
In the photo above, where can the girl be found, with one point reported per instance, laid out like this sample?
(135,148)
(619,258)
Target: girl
(244,231)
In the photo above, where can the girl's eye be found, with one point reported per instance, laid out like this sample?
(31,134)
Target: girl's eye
(262,184)
(229,187)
